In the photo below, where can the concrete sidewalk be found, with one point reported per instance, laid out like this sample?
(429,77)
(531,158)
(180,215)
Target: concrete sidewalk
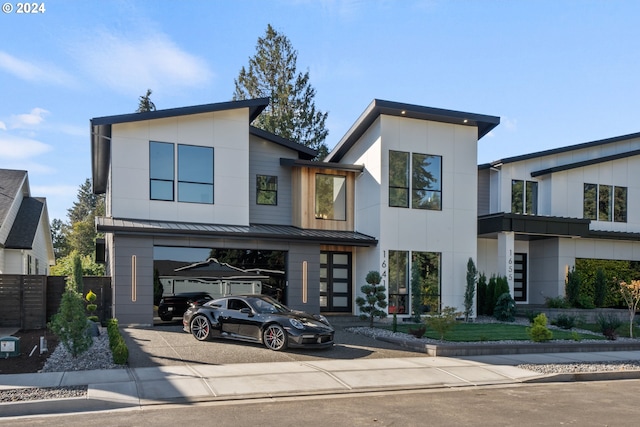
(137,387)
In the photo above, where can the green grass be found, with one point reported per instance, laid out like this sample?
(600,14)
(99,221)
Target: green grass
(474,332)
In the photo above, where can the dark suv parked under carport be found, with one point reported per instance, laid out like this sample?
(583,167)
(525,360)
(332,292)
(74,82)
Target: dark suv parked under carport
(175,305)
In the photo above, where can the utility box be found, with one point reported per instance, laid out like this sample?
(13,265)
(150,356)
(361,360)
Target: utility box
(9,347)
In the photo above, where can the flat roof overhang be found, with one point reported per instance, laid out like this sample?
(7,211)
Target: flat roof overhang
(250,232)
(532,226)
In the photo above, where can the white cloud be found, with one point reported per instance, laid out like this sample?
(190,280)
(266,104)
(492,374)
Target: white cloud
(28,120)
(33,72)
(131,65)
(3,126)
(14,147)
(509,124)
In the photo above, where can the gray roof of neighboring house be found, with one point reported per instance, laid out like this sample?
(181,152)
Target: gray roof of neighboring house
(568,148)
(23,232)
(10,184)
(252,231)
(484,123)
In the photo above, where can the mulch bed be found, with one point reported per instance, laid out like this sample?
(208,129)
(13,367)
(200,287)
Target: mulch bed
(24,363)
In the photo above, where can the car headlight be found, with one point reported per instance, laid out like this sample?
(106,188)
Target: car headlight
(296,323)
(323,319)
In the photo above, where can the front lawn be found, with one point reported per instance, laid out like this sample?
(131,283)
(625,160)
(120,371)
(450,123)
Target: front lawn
(474,332)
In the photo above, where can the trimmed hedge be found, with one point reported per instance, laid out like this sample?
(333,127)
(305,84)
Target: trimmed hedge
(119,348)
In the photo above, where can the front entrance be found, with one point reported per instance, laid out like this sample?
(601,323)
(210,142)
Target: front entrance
(520,277)
(335,282)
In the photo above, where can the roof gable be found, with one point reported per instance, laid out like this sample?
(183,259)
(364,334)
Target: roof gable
(23,232)
(11,182)
(484,123)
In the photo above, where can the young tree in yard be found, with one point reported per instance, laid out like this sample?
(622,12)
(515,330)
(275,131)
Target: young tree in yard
(373,302)
(291,113)
(470,291)
(70,323)
(631,294)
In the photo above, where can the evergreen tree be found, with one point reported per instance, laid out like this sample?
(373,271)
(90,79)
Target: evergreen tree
(145,104)
(291,112)
(59,235)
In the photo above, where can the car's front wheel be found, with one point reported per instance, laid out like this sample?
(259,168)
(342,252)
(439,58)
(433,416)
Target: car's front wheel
(274,337)
(201,328)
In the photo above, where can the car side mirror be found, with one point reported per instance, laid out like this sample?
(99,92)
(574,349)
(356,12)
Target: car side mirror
(246,311)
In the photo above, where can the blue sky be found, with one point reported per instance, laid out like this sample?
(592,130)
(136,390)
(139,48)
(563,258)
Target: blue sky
(556,72)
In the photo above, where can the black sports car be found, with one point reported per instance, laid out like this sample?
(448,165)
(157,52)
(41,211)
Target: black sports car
(257,318)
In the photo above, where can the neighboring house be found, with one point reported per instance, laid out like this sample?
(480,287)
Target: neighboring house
(26,246)
(540,212)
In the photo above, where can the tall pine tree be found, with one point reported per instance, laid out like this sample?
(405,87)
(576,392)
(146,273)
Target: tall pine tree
(292,113)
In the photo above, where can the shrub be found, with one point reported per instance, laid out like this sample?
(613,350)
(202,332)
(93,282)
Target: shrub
(600,294)
(539,331)
(505,309)
(373,302)
(443,322)
(608,325)
(470,291)
(70,323)
(564,321)
(119,349)
(482,294)
(418,332)
(530,315)
(490,299)
(557,302)
(572,287)
(394,323)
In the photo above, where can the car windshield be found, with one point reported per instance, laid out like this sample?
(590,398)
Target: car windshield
(268,305)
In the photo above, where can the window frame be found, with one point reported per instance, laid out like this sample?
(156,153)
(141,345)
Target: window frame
(612,208)
(208,182)
(526,195)
(261,191)
(399,185)
(331,216)
(434,202)
(160,178)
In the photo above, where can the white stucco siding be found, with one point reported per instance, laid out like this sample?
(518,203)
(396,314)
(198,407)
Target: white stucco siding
(225,131)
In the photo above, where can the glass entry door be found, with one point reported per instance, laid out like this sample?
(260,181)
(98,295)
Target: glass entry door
(335,282)
(520,277)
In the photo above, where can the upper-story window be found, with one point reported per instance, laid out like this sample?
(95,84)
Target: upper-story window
(524,197)
(266,190)
(605,203)
(331,197)
(195,172)
(426,180)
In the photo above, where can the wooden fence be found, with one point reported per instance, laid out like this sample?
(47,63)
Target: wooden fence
(28,302)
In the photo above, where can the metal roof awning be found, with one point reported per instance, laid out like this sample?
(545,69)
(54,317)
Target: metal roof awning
(252,231)
(533,225)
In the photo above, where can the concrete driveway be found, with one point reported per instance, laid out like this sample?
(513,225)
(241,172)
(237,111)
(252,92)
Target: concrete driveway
(166,344)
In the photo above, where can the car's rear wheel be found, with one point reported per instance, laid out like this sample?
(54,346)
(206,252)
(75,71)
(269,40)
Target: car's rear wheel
(274,337)
(201,328)
(166,318)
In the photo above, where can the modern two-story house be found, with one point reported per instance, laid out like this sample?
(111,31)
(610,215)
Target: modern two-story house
(26,246)
(540,212)
(397,195)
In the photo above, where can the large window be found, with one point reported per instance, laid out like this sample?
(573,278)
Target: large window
(426,192)
(161,170)
(398,179)
(195,172)
(426,180)
(266,190)
(414,288)
(524,197)
(605,203)
(331,197)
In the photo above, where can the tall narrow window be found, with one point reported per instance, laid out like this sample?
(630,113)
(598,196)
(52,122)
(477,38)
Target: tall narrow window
(425,274)
(426,192)
(517,196)
(590,201)
(195,174)
(620,205)
(531,198)
(161,167)
(398,179)
(398,282)
(331,197)
(605,208)
(266,190)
